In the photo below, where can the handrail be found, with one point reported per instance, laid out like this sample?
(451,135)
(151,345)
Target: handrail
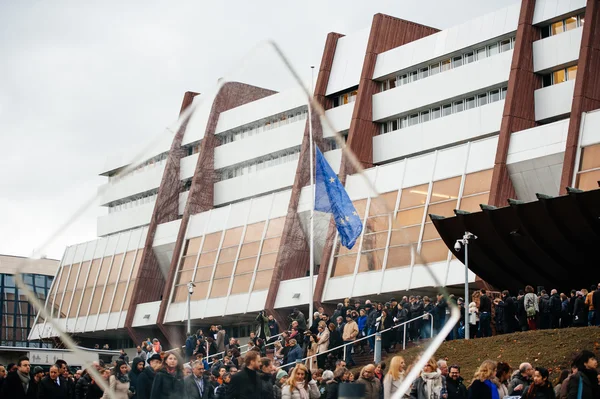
(240,348)
(363,338)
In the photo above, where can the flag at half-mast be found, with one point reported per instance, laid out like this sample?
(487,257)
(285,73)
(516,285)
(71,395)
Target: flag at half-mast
(331,197)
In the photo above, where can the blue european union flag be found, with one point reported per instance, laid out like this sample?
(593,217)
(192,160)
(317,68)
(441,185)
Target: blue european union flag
(331,197)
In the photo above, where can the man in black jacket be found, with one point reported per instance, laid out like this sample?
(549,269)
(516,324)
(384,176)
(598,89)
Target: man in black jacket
(596,303)
(18,384)
(63,370)
(146,377)
(197,385)
(267,379)
(53,386)
(555,309)
(509,314)
(456,388)
(246,384)
(485,315)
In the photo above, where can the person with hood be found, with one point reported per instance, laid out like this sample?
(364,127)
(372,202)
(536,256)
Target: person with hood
(146,378)
(197,385)
(168,381)
(454,384)
(520,380)
(394,378)
(300,385)
(119,383)
(430,384)
(584,383)
(18,384)
(137,367)
(541,387)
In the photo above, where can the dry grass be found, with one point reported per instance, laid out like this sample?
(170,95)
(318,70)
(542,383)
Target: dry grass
(553,349)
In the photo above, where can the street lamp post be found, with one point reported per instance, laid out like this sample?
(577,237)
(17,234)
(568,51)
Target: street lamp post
(457,246)
(190,286)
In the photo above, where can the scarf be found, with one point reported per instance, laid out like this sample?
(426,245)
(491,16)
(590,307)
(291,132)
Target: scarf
(493,388)
(24,380)
(302,390)
(123,378)
(171,370)
(433,384)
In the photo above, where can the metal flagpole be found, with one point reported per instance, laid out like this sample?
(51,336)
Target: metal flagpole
(312,208)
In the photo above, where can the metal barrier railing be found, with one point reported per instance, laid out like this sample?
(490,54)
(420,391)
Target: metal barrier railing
(367,337)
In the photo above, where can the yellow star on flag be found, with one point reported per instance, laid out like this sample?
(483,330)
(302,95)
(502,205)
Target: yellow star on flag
(355,213)
(342,221)
(347,218)
(331,180)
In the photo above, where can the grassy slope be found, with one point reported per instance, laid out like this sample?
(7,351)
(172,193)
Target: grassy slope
(552,349)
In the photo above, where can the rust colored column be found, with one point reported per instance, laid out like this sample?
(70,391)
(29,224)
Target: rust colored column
(586,96)
(519,106)
(293,258)
(386,33)
(150,281)
(201,195)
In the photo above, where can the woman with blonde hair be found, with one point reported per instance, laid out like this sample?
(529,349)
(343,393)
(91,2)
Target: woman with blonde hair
(300,385)
(483,386)
(431,383)
(394,377)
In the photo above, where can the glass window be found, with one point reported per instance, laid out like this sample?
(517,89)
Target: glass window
(503,93)
(446,189)
(275,227)
(262,280)
(424,116)
(570,23)
(559,77)
(413,119)
(458,106)
(581,19)
(241,283)
(590,157)
(457,61)
(394,125)
(403,79)
(435,113)
(494,95)
(398,257)
(477,182)
(434,69)
(219,288)
(545,32)
(254,232)
(406,235)
(372,260)
(588,180)
(505,45)
(423,73)
(481,54)
(481,100)
(446,65)
(557,28)
(403,122)
(470,103)
(493,49)
(434,251)
(471,204)
(414,76)
(546,80)
(414,196)
(572,72)
(468,57)
(343,265)
(446,109)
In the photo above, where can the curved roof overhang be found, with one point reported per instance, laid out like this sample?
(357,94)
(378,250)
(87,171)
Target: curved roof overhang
(553,242)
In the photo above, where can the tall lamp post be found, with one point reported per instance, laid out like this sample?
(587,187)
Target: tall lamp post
(190,287)
(464,241)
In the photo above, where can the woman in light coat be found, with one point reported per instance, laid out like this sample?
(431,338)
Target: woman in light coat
(300,385)
(394,378)
(311,363)
(119,383)
(431,383)
(532,307)
(322,343)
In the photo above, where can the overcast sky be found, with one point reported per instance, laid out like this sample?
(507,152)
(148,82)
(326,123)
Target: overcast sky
(80,80)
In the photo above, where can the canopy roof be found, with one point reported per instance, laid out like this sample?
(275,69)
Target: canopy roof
(553,242)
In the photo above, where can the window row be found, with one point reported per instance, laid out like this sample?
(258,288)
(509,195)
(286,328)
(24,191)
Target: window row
(449,63)
(589,168)
(345,98)
(564,25)
(132,203)
(560,76)
(330,143)
(158,160)
(444,110)
(257,164)
(271,123)
(193,148)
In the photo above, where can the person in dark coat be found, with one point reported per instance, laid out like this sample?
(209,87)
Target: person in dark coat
(146,377)
(555,309)
(53,386)
(246,384)
(137,366)
(18,384)
(335,339)
(333,387)
(482,385)
(586,375)
(509,313)
(521,313)
(168,382)
(267,379)
(579,311)
(198,385)
(541,387)
(596,303)
(454,384)
(485,315)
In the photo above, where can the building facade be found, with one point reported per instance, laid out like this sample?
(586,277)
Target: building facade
(501,106)
(17,315)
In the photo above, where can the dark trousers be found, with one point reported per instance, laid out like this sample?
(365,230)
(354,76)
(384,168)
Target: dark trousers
(485,327)
(348,349)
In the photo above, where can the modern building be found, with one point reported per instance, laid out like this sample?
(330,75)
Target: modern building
(17,316)
(501,106)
